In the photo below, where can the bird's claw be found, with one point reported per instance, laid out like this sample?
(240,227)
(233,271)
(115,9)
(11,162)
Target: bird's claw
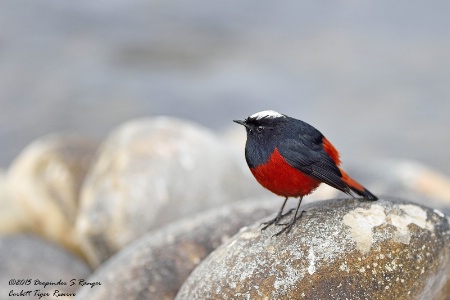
(288,226)
(284,224)
(276,220)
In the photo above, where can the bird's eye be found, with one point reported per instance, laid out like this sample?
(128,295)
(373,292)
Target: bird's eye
(259,129)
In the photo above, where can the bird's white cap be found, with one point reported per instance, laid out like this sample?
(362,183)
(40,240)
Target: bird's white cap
(266,114)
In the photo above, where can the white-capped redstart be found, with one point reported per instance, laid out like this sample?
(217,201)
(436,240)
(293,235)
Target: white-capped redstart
(291,159)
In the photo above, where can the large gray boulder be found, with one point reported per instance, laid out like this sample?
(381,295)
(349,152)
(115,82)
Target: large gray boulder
(339,249)
(150,172)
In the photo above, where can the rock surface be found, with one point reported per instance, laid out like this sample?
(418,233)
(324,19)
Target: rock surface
(344,249)
(155,266)
(150,172)
(46,179)
(11,219)
(29,257)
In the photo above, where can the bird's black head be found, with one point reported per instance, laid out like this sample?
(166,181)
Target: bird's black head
(265,131)
(262,124)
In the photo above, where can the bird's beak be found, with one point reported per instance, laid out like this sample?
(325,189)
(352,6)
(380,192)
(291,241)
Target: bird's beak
(241,122)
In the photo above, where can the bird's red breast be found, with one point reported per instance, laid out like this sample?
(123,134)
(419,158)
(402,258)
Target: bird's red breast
(280,178)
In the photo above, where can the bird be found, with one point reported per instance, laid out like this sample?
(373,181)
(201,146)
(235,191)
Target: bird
(291,158)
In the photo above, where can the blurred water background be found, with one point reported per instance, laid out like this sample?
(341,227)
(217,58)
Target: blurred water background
(373,76)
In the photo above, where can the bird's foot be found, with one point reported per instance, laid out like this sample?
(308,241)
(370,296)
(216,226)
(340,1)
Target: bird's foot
(288,226)
(276,220)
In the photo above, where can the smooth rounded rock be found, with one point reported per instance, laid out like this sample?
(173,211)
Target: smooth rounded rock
(407,179)
(155,266)
(27,257)
(46,179)
(150,172)
(339,249)
(12,220)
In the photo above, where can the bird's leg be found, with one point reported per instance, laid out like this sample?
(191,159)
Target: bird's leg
(279,216)
(288,226)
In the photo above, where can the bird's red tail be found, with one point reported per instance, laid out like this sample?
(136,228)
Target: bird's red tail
(356,187)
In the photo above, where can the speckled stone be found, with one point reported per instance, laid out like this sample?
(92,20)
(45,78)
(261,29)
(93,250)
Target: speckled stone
(150,172)
(45,180)
(339,249)
(155,266)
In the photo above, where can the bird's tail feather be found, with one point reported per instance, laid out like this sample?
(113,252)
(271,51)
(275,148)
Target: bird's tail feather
(357,188)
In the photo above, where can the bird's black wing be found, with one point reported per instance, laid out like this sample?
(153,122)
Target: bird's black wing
(308,156)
